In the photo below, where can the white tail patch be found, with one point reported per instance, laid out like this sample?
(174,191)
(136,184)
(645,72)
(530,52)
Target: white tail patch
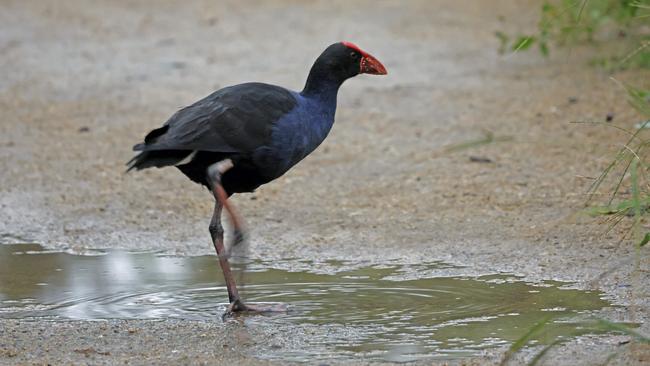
(188,158)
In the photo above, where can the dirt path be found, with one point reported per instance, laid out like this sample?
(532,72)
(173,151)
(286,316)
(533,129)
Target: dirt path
(82,83)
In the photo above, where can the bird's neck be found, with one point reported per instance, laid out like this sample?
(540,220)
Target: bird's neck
(322,85)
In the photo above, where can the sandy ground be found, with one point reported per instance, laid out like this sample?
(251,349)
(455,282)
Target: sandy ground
(81,83)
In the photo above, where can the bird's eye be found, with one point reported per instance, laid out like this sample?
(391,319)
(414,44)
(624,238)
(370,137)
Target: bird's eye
(353,54)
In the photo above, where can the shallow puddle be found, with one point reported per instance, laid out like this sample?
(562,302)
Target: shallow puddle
(370,310)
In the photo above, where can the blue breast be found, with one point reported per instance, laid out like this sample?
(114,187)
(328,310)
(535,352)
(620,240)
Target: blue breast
(297,134)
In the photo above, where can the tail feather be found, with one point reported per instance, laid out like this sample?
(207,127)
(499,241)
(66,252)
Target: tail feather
(157,158)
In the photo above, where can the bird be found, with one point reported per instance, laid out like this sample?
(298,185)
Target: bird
(246,135)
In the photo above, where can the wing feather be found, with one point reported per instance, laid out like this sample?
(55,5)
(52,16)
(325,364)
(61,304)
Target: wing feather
(236,119)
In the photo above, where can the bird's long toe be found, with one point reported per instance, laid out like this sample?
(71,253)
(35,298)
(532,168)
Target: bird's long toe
(237,307)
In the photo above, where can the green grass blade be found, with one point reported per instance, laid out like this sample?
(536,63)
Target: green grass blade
(543,352)
(607,325)
(523,340)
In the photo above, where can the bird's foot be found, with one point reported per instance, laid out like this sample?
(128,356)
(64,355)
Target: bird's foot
(237,307)
(238,237)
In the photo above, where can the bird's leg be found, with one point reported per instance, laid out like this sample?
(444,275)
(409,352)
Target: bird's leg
(216,231)
(215,171)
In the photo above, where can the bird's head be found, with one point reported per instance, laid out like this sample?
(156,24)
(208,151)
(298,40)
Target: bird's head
(340,62)
(345,59)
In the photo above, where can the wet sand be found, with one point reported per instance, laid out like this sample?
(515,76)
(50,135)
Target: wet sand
(82,84)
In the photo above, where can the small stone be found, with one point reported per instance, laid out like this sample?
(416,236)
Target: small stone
(609,117)
(179,65)
(479,159)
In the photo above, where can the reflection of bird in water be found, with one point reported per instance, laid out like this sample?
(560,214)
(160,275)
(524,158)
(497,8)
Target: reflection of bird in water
(243,136)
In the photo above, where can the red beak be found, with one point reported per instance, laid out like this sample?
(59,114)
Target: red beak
(370,65)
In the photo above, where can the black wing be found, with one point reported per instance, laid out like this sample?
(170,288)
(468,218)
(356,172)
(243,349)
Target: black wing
(235,119)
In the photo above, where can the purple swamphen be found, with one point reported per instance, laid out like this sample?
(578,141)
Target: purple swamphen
(246,135)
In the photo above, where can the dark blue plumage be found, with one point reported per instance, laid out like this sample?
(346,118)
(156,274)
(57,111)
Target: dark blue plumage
(243,136)
(264,129)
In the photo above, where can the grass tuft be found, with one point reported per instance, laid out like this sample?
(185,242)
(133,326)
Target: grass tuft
(571,22)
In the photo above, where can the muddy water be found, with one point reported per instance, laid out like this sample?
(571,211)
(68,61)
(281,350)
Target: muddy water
(370,310)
